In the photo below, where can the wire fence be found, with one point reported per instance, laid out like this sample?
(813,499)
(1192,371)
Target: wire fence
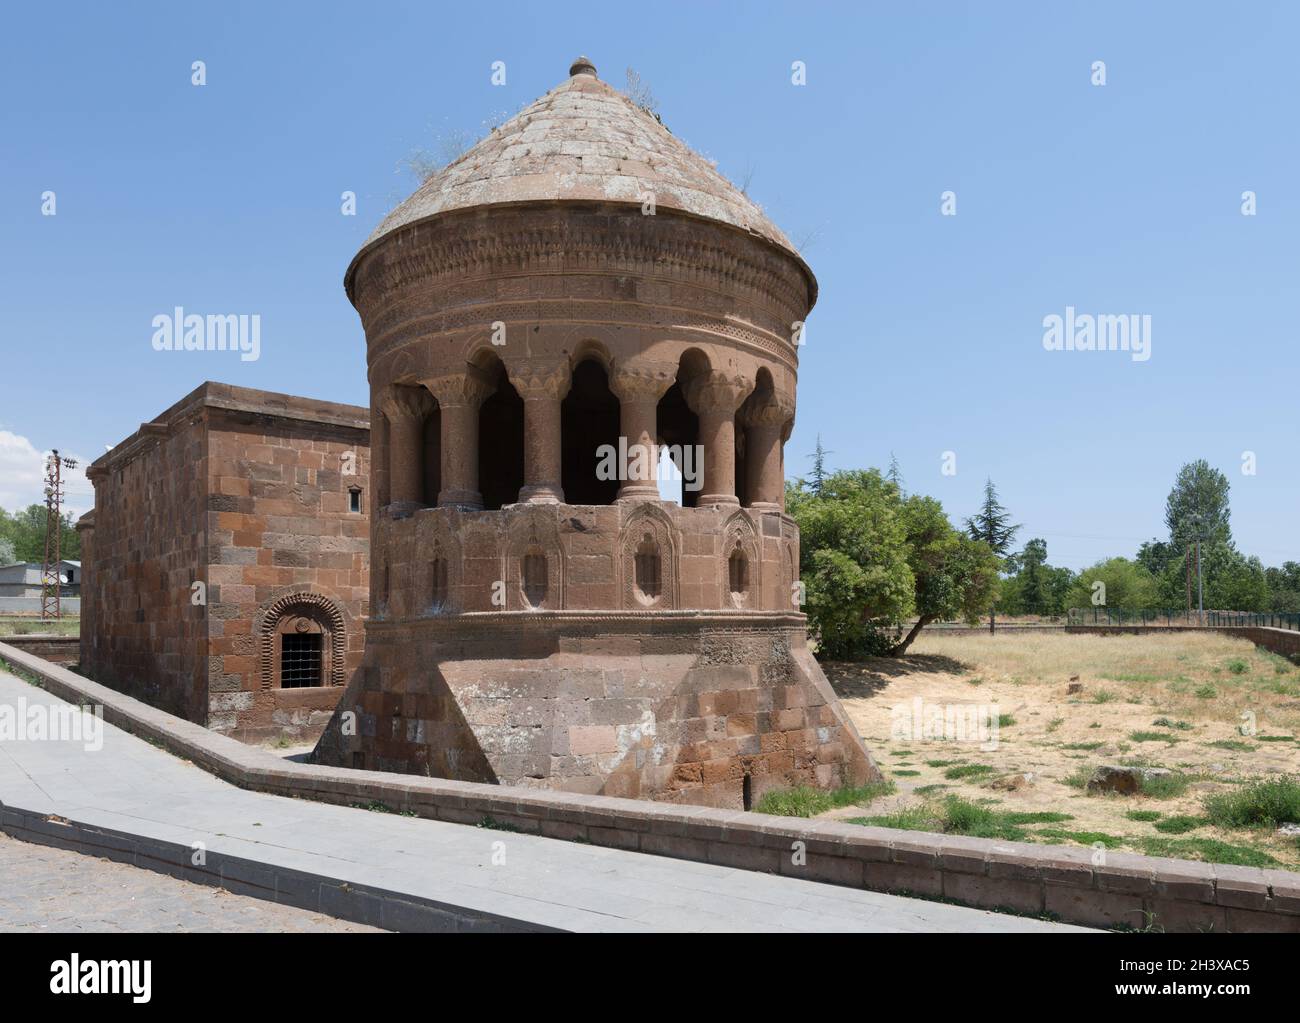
(1180,616)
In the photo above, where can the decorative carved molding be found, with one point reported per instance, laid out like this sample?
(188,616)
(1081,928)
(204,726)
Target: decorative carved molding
(653,520)
(774,409)
(564,241)
(717,392)
(643,381)
(540,378)
(470,388)
(739,532)
(405,402)
(300,603)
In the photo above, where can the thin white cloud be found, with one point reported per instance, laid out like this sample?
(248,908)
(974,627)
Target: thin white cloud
(22,477)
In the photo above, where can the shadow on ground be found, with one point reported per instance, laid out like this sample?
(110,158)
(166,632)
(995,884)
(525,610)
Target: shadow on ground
(872,675)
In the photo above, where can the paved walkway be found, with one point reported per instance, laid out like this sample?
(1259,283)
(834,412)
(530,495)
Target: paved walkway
(517,880)
(53,890)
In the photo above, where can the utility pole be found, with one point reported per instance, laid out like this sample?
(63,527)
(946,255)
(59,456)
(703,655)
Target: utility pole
(51,582)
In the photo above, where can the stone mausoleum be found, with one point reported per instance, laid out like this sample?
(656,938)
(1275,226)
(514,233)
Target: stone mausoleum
(577,283)
(226,561)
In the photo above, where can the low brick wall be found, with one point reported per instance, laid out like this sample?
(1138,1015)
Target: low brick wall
(1285,642)
(59,649)
(1121,890)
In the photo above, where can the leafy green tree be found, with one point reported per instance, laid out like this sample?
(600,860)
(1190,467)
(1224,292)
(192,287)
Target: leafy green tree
(1034,586)
(853,562)
(25,531)
(956,577)
(1284,587)
(1198,502)
(1127,584)
(992,524)
(819,466)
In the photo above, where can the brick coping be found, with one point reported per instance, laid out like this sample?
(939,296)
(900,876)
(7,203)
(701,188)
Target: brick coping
(1124,889)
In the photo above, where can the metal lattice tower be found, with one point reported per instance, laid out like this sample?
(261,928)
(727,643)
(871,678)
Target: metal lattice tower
(51,583)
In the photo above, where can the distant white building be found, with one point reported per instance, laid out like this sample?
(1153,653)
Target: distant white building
(23,579)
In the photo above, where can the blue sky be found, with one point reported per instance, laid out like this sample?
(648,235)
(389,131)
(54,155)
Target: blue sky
(1115,199)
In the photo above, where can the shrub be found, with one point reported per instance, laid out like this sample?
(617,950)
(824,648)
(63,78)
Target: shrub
(1267,802)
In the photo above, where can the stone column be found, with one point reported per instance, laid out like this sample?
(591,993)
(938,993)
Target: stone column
(405,409)
(714,397)
(542,383)
(639,385)
(459,397)
(765,421)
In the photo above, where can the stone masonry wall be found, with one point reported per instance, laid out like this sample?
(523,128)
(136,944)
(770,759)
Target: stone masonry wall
(279,526)
(144,637)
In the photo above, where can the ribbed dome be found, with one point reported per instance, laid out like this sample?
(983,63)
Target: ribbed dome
(583,140)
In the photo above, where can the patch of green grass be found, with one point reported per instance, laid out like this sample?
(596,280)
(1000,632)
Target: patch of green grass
(1182,726)
(1154,737)
(967,771)
(1166,786)
(912,818)
(1233,744)
(1095,724)
(1038,817)
(1133,678)
(1082,837)
(1087,747)
(905,774)
(977,681)
(1055,723)
(1206,692)
(1103,696)
(1078,779)
(942,763)
(925,790)
(1274,738)
(1267,802)
(1006,720)
(1179,824)
(1146,816)
(1209,850)
(805,801)
(1238,666)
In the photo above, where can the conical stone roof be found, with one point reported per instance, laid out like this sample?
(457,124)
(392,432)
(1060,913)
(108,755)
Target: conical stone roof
(583,140)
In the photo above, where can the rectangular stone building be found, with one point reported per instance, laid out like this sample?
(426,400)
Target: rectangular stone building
(226,562)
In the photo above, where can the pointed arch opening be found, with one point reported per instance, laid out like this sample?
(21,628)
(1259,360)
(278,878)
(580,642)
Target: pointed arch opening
(500,438)
(679,428)
(589,428)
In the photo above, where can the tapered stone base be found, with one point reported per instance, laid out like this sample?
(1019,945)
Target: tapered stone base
(703,708)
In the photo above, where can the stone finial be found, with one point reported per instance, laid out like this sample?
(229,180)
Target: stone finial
(582,66)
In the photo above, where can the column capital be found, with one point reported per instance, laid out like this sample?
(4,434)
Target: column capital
(468,388)
(642,380)
(773,409)
(540,378)
(405,402)
(717,392)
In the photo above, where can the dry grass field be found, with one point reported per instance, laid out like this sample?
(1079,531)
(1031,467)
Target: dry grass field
(1219,713)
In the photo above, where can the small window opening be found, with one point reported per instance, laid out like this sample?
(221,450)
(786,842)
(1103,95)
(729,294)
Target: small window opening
(300,660)
(438,583)
(535,581)
(738,574)
(646,570)
(354,500)
(747,792)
